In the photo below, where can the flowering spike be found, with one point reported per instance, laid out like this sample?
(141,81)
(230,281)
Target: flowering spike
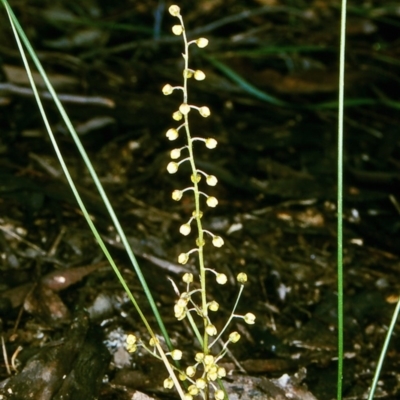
(195,299)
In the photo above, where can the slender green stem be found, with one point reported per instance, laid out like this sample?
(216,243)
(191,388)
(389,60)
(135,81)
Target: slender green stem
(340,201)
(195,329)
(200,240)
(230,318)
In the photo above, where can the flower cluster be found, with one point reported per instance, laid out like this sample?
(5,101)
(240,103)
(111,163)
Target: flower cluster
(193,302)
(173,134)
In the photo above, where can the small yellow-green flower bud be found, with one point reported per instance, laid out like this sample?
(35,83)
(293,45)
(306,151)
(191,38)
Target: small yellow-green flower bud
(168,383)
(202,42)
(211,180)
(219,394)
(179,312)
(211,143)
(185,229)
(197,214)
(174,10)
(177,195)
(208,359)
(212,374)
(221,372)
(211,330)
(183,300)
(195,178)
(221,279)
(199,357)
(211,201)
(176,355)
(187,73)
(234,337)
(167,89)
(193,390)
(213,306)
(187,396)
(190,371)
(200,243)
(175,153)
(250,318)
(177,116)
(172,167)
(201,383)
(153,342)
(172,134)
(184,108)
(242,278)
(218,241)
(131,348)
(187,277)
(182,377)
(131,345)
(131,339)
(183,258)
(199,75)
(177,30)
(204,111)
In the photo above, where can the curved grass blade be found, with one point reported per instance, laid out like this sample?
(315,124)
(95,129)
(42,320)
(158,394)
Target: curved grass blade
(340,200)
(384,350)
(19,33)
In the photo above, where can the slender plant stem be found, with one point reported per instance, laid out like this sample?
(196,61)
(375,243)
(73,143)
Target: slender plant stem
(230,318)
(340,201)
(198,214)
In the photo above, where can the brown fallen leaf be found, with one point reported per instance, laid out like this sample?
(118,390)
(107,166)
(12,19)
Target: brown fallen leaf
(15,74)
(56,280)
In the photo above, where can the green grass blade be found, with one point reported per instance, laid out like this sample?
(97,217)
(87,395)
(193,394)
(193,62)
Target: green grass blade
(248,87)
(92,172)
(17,28)
(384,350)
(263,96)
(340,200)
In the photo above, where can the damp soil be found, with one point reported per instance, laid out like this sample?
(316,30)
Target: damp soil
(271,85)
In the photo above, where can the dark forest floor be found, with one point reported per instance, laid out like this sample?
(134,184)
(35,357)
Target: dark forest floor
(276,165)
